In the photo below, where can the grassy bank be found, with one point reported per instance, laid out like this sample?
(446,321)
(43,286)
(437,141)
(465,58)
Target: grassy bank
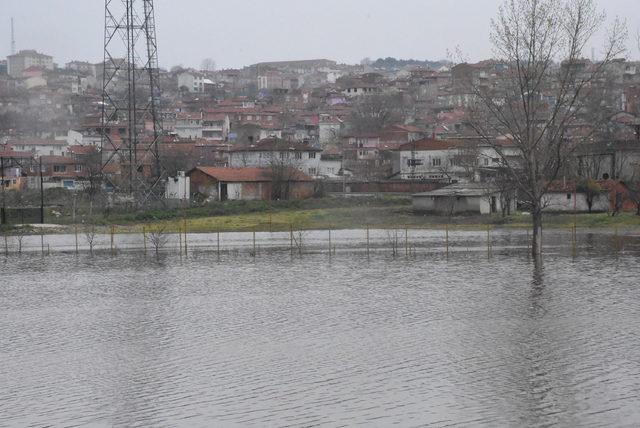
(328,213)
(372,213)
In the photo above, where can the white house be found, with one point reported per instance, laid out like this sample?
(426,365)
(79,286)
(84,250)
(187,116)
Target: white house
(330,165)
(194,82)
(449,160)
(202,125)
(471,198)
(565,197)
(272,150)
(188,125)
(40,147)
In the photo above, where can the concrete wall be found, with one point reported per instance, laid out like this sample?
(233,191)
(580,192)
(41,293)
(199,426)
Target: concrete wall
(445,205)
(564,202)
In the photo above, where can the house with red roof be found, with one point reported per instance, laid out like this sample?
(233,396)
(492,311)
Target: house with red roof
(250,183)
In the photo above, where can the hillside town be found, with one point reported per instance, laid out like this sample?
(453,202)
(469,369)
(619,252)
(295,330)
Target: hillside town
(385,126)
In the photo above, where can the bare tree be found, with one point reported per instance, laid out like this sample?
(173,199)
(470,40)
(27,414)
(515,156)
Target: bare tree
(283,171)
(538,103)
(90,236)
(372,113)
(466,157)
(158,239)
(19,234)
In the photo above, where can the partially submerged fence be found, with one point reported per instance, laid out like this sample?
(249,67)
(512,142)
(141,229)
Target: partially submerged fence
(400,241)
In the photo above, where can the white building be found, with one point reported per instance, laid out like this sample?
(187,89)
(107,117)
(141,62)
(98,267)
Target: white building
(471,198)
(448,160)
(194,82)
(40,147)
(214,127)
(272,151)
(21,61)
(177,188)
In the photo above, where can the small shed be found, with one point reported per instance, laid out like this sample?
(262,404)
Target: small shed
(470,198)
(566,197)
(249,183)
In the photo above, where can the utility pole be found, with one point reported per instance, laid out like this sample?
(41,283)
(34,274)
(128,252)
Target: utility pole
(3,216)
(41,192)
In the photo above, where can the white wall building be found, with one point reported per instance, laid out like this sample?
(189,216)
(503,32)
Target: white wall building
(177,188)
(272,151)
(447,160)
(40,147)
(192,81)
(19,62)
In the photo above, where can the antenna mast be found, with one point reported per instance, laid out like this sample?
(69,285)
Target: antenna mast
(13,39)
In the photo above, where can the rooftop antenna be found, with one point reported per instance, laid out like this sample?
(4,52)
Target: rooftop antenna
(13,39)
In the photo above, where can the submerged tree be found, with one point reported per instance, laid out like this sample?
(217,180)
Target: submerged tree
(158,238)
(542,89)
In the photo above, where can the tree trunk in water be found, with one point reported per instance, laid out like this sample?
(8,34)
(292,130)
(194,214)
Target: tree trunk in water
(536,243)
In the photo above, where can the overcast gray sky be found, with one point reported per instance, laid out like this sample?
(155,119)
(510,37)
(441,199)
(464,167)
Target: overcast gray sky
(236,33)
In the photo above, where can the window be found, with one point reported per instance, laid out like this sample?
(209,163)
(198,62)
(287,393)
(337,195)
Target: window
(568,196)
(283,155)
(59,168)
(78,168)
(298,155)
(486,161)
(436,162)
(312,155)
(312,171)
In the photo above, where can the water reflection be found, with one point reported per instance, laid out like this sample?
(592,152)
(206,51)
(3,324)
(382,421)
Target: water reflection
(343,340)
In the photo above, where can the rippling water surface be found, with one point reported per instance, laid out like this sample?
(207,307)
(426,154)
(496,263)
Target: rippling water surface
(312,340)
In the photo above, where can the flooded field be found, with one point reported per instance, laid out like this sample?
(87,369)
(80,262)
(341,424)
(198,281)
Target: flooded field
(407,330)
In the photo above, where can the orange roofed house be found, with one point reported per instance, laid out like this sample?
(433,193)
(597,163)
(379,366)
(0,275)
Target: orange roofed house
(224,184)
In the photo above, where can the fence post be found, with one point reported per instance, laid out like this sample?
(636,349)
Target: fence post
(144,239)
(112,232)
(488,241)
(254,242)
(218,243)
(180,236)
(185,235)
(329,242)
(76,233)
(406,241)
(42,241)
(367,241)
(291,238)
(6,245)
(446,238)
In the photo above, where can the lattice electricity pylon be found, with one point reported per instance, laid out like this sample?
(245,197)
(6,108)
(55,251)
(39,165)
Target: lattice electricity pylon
(131,126)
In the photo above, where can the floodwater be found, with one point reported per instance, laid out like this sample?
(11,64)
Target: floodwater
(412,337)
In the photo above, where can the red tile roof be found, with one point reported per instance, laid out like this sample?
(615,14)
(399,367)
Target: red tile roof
(82,150)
